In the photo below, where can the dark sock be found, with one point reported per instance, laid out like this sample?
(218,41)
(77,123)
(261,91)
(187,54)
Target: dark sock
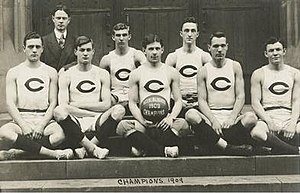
(108,128)
(238,130)
(205,133)
(27,144)
(45,141)
(142,141)
(170,139)
(71,129)
(280,146)
(294,141)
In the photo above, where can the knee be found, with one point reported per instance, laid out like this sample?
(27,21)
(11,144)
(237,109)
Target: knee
(258,133)
(249,120)
(60,113)
(58,138)
(118,112)
(125,127)
(6,134)
(192,116)
(182,127)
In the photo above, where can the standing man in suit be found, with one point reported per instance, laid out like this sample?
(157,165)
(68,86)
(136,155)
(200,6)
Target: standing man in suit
(60,43)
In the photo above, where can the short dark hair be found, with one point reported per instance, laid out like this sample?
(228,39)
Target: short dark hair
(273,40)
(32,35)
(150,38)
(62,8)
(217,34)
(120,26)
(190,20)
(81,40)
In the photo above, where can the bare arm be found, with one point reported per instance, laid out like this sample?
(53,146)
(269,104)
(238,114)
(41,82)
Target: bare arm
(256,95)
(296,99)
(139,58)
(206,57)
(291,129)
(202,100)
(176,94)
(52,98)
(134,97)
(239,91)
(168,121)
(171,59)
(105,63)
(11,101)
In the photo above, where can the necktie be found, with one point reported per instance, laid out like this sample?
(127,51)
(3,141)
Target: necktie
(61,41)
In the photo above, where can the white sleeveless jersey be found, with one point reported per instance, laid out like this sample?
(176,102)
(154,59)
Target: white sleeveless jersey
(84,85)
(220,84)
(33,87)
(187,64)
(154,82)
(277,87)
(120,68)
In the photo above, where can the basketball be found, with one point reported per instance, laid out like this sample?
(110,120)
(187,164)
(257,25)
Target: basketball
(154,108)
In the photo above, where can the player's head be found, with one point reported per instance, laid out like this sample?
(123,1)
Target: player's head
(84,50)
(189,30)
(274,50)
(121,35)
(33,46)
(218,46)
(153,48)
(61,17)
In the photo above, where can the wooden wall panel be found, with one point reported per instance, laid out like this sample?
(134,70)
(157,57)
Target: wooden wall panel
(247,25)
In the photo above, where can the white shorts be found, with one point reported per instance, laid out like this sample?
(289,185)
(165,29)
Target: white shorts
(34,118)
(120,95)
(87,124)
(222,115)
(281,117)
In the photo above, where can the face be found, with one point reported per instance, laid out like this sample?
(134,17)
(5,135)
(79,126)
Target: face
(33,49)
(153,52)
(85,53)
(189,33)
(274,53)
(218,48)
(121,37)
(61,20)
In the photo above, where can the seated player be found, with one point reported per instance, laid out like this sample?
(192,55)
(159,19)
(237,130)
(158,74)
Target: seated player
(154,77)
(275,92)
(84,103)
(31,96)
(221,98)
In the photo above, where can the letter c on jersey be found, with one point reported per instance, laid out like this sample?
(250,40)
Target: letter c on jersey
(214,83)
(127,71)
(148,84)
(188,75)
(79,86)
(27,84)
(283,90)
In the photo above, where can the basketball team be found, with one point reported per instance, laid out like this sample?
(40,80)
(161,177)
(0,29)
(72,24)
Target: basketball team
(65,107)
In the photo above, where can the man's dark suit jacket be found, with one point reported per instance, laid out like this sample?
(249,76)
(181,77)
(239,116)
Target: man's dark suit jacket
(54,55)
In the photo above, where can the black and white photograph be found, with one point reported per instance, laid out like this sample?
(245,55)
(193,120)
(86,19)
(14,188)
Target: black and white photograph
(149,95)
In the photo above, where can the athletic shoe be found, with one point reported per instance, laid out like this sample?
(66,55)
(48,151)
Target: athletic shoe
(100,153)
(244,150)
(64,154)
(137,153)
(7,155)
(171,151)
(80,153)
